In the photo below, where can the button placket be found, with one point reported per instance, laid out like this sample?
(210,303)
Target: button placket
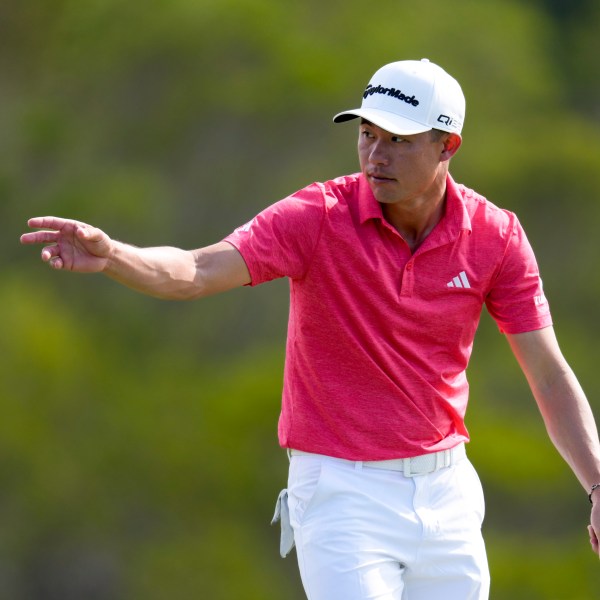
(408,279)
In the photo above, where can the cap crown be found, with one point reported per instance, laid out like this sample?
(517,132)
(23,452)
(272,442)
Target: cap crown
(411,97)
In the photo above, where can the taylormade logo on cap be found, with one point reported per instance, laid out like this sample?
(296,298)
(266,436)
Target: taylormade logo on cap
(390,92)
(410,96)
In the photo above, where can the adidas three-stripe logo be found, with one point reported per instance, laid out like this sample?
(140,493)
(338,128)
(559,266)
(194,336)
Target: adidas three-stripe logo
(460,281)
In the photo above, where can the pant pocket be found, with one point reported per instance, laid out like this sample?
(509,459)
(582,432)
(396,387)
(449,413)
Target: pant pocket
(305,476)
(471,489)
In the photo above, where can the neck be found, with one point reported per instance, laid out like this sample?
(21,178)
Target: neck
(415,219)
(414,230)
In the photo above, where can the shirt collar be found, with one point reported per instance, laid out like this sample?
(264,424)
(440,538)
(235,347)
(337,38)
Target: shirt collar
(456,217)
(368,207)
(457,213)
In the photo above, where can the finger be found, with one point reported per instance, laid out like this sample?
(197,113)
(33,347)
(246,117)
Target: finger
(39,237)
(48,222)
(56,262)
(50,252)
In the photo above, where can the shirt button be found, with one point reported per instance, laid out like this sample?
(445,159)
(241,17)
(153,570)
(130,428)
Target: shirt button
(409,266)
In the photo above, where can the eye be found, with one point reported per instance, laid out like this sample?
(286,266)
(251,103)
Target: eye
(366,133)
(397,139)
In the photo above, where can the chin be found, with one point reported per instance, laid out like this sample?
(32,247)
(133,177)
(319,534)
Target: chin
(387,198)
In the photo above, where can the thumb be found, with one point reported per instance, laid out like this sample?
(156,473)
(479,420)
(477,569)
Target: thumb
(91,234)
(94,240)
(593,538)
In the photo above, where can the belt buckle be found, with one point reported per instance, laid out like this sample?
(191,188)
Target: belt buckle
(439,460)
(444,459)
(407,468)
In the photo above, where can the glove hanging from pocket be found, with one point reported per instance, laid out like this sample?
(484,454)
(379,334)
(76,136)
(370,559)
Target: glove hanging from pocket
(282,513)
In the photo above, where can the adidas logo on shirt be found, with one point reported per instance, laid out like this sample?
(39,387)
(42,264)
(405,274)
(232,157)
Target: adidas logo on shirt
(460,281)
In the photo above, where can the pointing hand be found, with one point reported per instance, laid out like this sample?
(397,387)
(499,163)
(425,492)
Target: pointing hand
(71,245)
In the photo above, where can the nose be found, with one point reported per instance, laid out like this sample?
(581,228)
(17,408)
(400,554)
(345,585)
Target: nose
(379,154)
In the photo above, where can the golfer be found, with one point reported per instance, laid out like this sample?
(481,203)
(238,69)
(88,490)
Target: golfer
(389,270)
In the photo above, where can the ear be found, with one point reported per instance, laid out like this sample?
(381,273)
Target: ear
(451,145)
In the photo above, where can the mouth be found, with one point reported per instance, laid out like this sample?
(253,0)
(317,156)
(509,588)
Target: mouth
(376,177)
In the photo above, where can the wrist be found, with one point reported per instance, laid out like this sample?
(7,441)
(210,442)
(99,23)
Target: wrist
(594,490)
(112,259)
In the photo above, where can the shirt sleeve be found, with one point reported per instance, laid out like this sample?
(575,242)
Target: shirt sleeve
(516,300)
(280,241)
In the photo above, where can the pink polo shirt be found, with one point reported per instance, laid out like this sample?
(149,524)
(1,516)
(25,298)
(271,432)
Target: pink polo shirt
(379,338)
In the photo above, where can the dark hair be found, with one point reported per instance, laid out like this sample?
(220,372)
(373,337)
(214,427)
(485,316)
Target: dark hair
(437,134)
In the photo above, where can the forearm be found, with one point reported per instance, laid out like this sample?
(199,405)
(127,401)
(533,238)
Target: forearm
(562,402)
(175,274)
(570,424)
(163,272)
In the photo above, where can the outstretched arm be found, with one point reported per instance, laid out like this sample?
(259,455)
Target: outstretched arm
(163,272)
(565,409)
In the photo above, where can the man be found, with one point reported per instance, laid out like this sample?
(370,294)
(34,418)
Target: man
(389,270)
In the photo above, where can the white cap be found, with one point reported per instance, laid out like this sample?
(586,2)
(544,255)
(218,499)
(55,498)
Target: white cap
(411,96)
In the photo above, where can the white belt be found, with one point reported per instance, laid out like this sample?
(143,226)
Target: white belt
(410,467)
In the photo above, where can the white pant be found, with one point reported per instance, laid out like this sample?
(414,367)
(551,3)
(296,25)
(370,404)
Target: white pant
(363,533)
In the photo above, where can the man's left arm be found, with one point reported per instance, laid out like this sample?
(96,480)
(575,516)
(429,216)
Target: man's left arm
(565,410)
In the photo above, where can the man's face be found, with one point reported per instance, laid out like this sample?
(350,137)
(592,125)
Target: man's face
(401,168)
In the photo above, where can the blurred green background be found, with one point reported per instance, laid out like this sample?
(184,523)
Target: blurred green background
(138,451)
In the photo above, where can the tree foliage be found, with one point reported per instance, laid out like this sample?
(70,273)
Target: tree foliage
(138,446)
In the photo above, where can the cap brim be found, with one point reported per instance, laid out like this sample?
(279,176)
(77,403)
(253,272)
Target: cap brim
(386,120)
